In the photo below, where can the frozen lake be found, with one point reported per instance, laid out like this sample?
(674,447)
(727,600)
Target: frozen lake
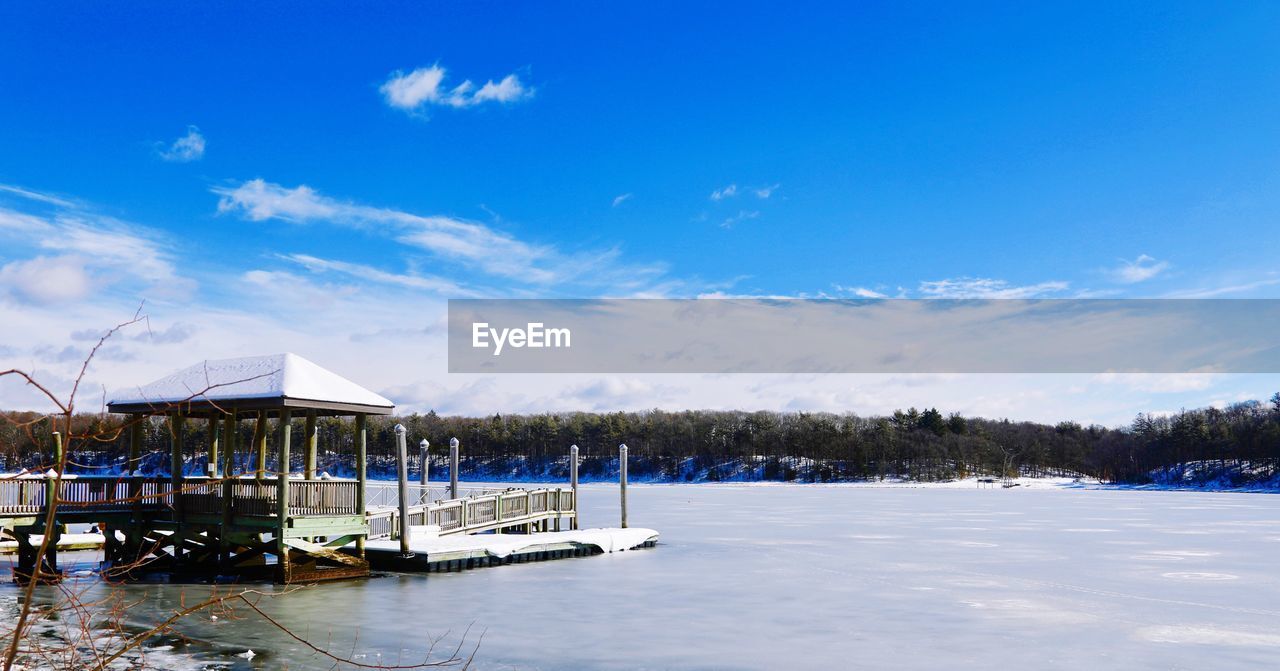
(813,576)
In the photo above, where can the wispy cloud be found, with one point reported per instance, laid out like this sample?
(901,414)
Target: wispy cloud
(732,190)
(37,196)
(189,147)
(367,273)
(470,243)
(1140,269)
(726,192)
(76,252)
(860,292)
(618,200)
(978,287)
(1226,290)
(741,216)
(411,91)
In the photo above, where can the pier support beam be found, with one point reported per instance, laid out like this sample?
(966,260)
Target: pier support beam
(282,497)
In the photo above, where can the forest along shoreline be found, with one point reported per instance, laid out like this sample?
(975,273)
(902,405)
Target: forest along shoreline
(1236,447)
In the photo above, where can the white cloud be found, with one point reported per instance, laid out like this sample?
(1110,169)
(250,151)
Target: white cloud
(468,242)
(47,279)
(764,192)
(618,200)
(410,91)
(977,287)
(185,149)
(1140,269)
(261,201)
(727,192)
(508,90)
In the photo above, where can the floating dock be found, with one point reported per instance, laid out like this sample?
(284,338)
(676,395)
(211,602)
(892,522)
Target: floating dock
(431,552)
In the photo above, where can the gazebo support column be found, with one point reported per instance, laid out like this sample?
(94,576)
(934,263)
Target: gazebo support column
(134,463)
(282,499)
(310,432)
(135,442)
(260,445)
(361,449)
(230,426)
(212,467)
(178,423)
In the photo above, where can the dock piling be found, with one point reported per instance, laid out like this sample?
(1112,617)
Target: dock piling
(422,449)
(453,468)
(402,477)
(573,485)
(622,480)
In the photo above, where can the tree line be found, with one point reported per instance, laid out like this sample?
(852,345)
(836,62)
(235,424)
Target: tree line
(1240,443)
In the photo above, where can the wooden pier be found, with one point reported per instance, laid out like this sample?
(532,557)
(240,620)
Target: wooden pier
(266,522)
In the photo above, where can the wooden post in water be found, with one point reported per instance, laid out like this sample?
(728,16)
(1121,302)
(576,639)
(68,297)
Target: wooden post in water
(573,485)
(426,465)
(622,480)
(402,481)
(282,496)
(361,450)
(453,468)
(312,445)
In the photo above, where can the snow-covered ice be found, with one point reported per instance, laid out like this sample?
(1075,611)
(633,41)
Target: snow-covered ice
(805,576)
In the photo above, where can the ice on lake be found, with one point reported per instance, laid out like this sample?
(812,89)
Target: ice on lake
(835,577)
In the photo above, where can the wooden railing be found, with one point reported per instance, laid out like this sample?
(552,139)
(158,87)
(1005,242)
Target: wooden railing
(27,496)
(199,495)
(506,508)
(323,497)
(479,510)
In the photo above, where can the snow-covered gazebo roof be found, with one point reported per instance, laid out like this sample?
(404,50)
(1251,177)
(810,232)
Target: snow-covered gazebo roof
(273,382)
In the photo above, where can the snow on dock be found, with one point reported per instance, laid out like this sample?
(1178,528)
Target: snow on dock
(432,552)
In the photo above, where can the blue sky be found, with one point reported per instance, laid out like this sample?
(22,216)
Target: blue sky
(292,169)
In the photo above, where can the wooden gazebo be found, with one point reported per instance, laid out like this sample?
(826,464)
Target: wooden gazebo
(227,522)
